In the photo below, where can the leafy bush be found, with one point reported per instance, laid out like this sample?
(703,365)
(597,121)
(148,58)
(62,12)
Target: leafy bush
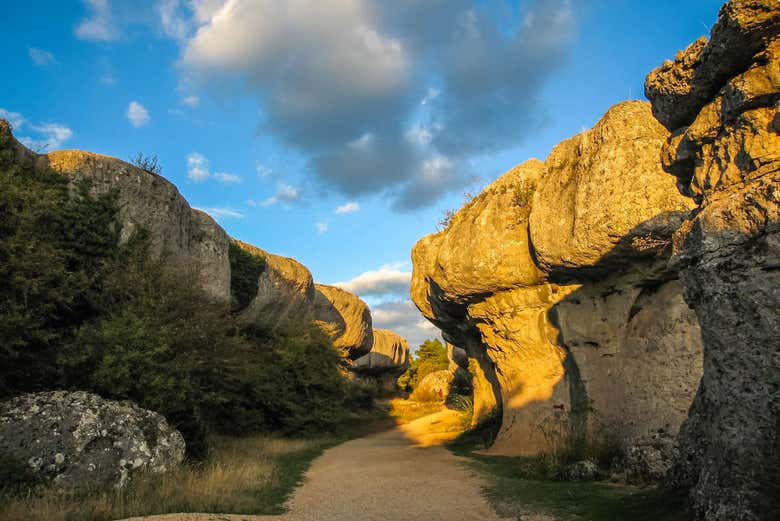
(430,357)
(80,311)
(245,270)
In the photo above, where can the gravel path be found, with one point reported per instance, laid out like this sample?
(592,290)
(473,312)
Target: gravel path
(383,477)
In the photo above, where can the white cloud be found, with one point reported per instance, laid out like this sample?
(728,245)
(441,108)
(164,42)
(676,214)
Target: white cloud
(387,280)
(349,207)
(14,118)
(403,318)
(321,227)
(262,170)
(44,135)
(174,24)
(197,167)
(251,203)
(191,101)
(137,114)
(41,57)
(284,194)
(99,25)
(224,177)
(228,213)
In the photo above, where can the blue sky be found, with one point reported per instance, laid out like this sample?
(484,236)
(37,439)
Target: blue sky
(335,132)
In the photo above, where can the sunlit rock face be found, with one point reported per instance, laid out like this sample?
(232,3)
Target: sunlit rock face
(345,318)
(555,281)
(389,354)
(720,98)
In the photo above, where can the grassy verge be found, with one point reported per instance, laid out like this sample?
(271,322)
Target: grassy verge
(251,475)
(523,486)
(405,411)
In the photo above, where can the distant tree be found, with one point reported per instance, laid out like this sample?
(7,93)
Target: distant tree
(431,356)
(148,163)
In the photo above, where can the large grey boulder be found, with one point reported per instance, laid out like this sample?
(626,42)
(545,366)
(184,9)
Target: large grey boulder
(721,99)
(389,355)
(345,318)
(79,440)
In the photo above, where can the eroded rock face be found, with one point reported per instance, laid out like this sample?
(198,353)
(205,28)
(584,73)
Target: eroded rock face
(566,244)
(285,292)
(725,152)
(151,202)
(389,355)
(345,318)
(80,440)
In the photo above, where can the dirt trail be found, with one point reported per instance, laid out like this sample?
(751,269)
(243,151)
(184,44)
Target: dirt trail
(391,476)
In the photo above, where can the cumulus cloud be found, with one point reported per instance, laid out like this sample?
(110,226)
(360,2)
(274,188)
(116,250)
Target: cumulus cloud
(41,57)
(222,212)
(37,137)
(389,279)
(284,194)
(350,207)
(99,23)
(137,114)
(381,97)
(405,319)
(198,170)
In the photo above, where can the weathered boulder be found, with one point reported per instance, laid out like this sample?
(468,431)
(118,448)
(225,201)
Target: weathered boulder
(434,387)
(389,355)
(151,202)
(82,441)
(604,196)
(726,154)
(285,292)
(535,308)
(345,318)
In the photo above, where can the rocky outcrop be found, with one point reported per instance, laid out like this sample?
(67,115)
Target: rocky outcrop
(151,202)
(345,318)
(721,100)
(434,387)
(554,281)
(389,354)
(285,292)
(79,440)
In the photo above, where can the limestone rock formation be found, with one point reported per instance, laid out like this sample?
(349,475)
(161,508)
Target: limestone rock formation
(285,292)
(389,354)
(555,282)
(604,191)
(151,202)
(345,318)
(80,440)
(433,387)
(721,99)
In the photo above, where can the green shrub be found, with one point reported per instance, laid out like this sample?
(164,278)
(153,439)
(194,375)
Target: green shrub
(430,357)
(245,270)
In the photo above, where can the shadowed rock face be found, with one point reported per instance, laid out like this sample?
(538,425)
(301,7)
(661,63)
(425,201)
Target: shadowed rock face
(723,108)
(554,281)
(345,318)
(285,292)
(389,355)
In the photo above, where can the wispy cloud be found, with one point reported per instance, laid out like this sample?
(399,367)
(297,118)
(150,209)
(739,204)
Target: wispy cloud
(285,194)
(99,23)
(321,227)
(227,178)
(349,207)
(137,114)
(262,170)
(191,101)
(41,57)
(217,212)
(38,137)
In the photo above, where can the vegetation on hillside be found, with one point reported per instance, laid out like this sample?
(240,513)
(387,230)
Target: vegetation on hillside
(245,270)
(430,357)
(81,311)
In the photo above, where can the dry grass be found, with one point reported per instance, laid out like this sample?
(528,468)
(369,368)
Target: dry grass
(247,475)
(405,411)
